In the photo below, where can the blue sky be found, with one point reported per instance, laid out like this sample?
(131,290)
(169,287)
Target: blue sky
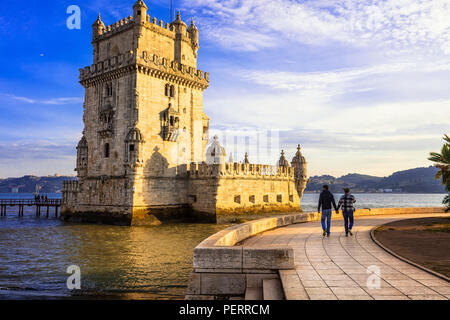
(363,85)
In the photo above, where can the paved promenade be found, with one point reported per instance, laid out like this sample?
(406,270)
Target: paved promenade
(336,267)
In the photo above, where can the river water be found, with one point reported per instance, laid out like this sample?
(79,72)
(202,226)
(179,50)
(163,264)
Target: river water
(118,262)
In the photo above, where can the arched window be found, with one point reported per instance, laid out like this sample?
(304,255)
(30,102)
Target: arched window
(172,91)
(167,90)
(109,90)
(133,141)
(107,150)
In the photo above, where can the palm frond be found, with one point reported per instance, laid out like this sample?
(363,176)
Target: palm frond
(442,162)
(445,153)
(446,138)
(446,201)
(436,157)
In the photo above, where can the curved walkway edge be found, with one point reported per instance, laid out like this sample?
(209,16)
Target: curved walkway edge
(352,268)
(311,267)
(374,239)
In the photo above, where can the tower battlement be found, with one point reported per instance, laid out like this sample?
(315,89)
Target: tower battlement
(240,170)
(147,63)
(152,24)
(118,26)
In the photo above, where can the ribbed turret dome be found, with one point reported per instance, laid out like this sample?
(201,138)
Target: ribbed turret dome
(178,20)
(83,143)
(298,158)
(283,161)
(215,153)
(192,27)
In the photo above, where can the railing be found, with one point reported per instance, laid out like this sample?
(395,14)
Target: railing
(30,202)
(21,203)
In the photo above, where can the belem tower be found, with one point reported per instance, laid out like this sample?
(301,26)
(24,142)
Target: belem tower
(144,155)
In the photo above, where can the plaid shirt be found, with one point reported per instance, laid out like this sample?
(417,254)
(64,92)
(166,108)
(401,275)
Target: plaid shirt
(346,202)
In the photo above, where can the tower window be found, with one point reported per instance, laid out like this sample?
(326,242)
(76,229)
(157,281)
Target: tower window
(169,91)
(166,90)
(131,147)
(107,150)
(109,90)
(139,12)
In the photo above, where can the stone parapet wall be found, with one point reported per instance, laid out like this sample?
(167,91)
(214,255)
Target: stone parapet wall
(70,186)
(151,24)
(233,188)
(224,268)
(240,170)
(115,28)
(69,192)
(94,199)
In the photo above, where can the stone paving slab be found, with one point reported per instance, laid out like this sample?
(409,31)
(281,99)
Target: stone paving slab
(338,267)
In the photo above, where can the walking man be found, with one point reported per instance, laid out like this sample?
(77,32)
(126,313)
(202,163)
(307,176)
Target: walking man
(326,199)
(346,202)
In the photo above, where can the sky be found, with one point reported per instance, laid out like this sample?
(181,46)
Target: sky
(362,85)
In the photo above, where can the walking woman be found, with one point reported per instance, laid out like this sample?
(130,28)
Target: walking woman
(346,202)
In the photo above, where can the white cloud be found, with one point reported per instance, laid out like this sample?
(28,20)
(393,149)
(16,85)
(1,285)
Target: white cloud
(49,101)
(37,149)
(393,24)
(320,80)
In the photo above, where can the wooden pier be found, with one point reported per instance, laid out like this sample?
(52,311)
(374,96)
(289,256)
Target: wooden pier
(22,203)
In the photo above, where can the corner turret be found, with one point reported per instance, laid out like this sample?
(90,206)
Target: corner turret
(300,174)
(193,34)
(178,25)
(299,163)
(283,161)
(140,12)
(216,152)
(98,27)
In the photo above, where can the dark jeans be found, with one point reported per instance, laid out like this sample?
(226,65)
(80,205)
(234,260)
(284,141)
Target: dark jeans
(348,220)
(326,216)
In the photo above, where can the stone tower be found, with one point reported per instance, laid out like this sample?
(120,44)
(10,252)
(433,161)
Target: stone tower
(143,116)
(142,157)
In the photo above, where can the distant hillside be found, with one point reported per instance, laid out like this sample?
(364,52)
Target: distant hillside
(418,180)
(27,184)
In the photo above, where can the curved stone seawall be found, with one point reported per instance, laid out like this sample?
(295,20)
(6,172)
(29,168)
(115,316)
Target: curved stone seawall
(223,268)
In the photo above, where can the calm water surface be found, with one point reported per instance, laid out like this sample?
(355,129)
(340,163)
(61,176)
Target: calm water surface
(118,262)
